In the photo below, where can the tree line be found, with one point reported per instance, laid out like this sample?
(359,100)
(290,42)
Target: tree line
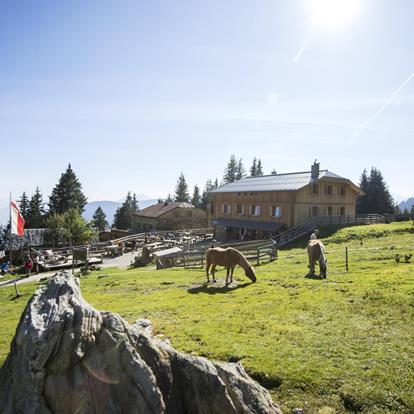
(62,215)
(233,171)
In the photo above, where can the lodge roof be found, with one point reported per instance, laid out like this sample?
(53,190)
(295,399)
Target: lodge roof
(159,209)
(280,182)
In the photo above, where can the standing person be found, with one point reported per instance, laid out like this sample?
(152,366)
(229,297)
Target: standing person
(315,235)
(28,266)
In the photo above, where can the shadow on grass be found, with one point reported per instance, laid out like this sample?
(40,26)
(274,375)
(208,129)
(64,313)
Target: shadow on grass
(314,277)
(211,289)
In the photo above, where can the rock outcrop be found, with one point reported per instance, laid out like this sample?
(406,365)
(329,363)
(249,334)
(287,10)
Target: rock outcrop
(67,357)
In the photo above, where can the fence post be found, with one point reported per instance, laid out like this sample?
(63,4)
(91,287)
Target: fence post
(17,290)
(346,258)
(258,256)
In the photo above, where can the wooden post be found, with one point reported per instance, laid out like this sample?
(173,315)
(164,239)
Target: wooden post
(258,256)
(17,290)
(73,261)
(346,259)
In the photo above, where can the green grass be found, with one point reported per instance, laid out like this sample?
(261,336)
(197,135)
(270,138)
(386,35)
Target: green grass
(344,344)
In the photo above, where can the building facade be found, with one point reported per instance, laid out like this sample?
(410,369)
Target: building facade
(170,216)
(256,207)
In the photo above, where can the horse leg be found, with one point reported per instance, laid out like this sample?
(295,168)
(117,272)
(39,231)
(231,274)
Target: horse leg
(208,271)
(231,273)
(227,275)
(311,267)
(213,271)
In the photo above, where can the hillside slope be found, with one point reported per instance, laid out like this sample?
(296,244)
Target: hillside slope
(336,345)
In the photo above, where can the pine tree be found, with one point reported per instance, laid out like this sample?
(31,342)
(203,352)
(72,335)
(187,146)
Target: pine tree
(206,196)
(216,183)
(99,219)
(125,215)
(274,172)
(230,172)
(67,194)
(36,211)
(362,201)
(169,199)
(240,172)
(377,198)
(196,200)
(135,204)
(259,170)
(253,168)
(24,205)
(181,190)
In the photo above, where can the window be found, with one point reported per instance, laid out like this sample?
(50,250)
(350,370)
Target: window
(276,211)
(255,210)
(342,191)
(315,189)
(328,190)
(315,211)
(342,211)
(240,209)
(227,209)
(330,211)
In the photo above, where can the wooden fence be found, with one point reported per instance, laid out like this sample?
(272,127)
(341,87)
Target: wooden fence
(256,252)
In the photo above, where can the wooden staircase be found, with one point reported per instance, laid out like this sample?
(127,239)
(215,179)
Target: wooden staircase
(306,228)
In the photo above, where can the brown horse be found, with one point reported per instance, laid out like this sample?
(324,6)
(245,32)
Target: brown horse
(316,252)
(229,258)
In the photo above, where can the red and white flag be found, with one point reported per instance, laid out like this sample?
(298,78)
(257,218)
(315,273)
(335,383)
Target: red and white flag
(17,220)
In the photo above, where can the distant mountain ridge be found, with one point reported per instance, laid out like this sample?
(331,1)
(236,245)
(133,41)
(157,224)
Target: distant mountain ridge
(407,204)
(110,207)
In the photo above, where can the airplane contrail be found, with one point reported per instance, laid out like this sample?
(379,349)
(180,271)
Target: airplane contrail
(387,102)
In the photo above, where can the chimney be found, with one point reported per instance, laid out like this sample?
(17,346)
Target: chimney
(315,171)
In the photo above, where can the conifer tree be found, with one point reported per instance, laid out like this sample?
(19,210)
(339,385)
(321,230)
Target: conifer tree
(377,198)
(216,183)
(24,205)
(36,211)
(67,194)
(253,168)
(259,169)
(135,204)
(169,199)
(196,200)
(274,172)
(378,195)
(362,201)
(125,215)
(230,173)
(99,219)
(181,190)
(206,196)
(240,172)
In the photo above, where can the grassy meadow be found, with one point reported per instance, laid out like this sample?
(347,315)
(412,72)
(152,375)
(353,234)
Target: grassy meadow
(344,344)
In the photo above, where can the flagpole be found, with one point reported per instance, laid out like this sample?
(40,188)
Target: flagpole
(10,233)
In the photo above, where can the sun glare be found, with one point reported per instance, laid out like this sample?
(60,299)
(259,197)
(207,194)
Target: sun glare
(333,15)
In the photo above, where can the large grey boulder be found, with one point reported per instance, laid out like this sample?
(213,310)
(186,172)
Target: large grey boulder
(67,357)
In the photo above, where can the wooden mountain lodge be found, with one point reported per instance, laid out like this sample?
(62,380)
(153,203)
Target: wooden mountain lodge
(262,206)
(170,216)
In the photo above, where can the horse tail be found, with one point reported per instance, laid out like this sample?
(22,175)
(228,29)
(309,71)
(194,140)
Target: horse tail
(323,253)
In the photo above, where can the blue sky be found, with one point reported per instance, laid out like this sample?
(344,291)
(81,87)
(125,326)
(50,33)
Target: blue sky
(134,92)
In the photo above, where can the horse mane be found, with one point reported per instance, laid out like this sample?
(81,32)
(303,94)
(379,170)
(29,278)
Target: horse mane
(243,261)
